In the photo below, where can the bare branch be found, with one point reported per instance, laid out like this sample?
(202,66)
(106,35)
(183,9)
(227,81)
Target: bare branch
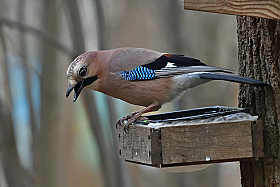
(37,32)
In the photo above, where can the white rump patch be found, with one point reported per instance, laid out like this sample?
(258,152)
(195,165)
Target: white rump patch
(170,65)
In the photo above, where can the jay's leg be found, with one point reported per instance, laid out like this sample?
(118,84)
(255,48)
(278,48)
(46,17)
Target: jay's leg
(136,115)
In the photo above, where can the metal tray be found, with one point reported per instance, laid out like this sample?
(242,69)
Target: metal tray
(198,113)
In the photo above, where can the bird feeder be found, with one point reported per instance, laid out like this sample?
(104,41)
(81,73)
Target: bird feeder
(192,137)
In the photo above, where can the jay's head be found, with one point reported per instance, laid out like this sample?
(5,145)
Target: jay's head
(81,73)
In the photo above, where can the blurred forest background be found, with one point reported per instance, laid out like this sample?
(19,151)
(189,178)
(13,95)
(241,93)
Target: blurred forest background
(46,139)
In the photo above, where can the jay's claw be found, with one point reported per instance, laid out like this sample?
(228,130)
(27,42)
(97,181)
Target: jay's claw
(128,120)
(134,116)
(127,117)
(128,123)
(126,128)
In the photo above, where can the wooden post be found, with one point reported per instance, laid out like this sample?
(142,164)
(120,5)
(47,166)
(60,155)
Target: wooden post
(259,58)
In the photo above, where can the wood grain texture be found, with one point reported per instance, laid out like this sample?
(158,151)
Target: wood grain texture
(156,147)
(262,8)
(206,142)
(136,144)
(257,137)
(169,146)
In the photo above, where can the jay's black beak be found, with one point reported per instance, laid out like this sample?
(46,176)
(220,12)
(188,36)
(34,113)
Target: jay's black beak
(79,86)
(69,90)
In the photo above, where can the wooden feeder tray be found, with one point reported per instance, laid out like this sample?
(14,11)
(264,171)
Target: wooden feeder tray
(184,144)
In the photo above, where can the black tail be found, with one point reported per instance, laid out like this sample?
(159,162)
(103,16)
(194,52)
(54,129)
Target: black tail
(231,78)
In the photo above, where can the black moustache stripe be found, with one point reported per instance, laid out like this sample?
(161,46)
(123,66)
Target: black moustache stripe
(89,80)
(83,83)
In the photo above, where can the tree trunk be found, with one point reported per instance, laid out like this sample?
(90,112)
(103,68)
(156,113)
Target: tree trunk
(47,148)
(259,58)
(13,172)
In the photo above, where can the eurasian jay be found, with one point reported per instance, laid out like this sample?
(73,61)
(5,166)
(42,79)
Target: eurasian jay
(142,77)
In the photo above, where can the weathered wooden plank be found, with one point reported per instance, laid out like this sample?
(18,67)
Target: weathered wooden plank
(169,146)
(257,137)
(136,144)
(206,142)
(156,147)
(257,8)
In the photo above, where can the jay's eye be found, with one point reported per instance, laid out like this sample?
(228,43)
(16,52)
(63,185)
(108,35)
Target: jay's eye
(83,71)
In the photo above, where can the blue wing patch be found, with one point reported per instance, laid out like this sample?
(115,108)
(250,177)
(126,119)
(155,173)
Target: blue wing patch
(139,73)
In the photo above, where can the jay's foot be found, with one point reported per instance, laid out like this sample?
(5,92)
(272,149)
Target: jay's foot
(121,121)
(128,120)
(136,115)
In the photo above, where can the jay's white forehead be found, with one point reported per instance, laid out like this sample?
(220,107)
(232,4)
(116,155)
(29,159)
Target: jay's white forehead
(74,65)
